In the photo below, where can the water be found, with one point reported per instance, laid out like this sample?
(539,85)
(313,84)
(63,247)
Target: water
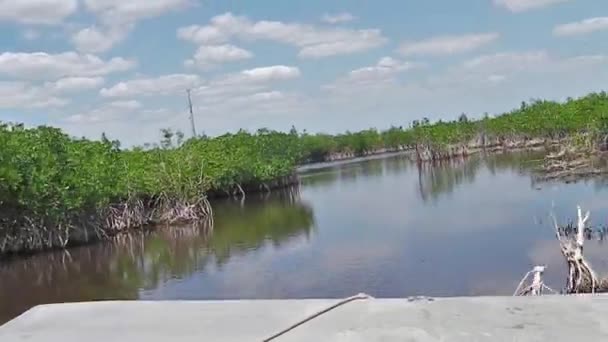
(379,226)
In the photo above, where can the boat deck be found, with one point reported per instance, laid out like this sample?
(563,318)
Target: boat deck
(547,318)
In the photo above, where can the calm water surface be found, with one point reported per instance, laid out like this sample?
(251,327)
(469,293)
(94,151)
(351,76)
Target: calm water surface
(379,226)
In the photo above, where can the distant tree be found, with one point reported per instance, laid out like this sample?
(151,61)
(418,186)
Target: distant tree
(293,130)
(180,137)
(167,138)
(426,121)
(463,118)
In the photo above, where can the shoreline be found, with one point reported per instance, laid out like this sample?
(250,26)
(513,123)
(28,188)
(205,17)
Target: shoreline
(88,234)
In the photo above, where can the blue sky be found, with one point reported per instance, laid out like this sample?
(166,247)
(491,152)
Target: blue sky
(123,67)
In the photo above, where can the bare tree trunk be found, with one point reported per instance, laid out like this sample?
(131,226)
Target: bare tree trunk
(581,277)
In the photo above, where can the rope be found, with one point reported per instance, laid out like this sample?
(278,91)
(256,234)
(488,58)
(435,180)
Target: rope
(319,313)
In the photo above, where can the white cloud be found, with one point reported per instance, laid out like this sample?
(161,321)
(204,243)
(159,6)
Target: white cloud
(45,66)
(383,72)
(22,95)
(117,18)
(520,70)
(269,95)
(582,27)
(492,83)
(312,41)
(210,55)
(526,5)
(448,45)
(37,11)
(507,61)
(124,114)
(529,62)
(242,84)
(162,85)
(385,66)
(94,40)
(74,84)
(120,11)
(270,73)
(338,18)
(131,104)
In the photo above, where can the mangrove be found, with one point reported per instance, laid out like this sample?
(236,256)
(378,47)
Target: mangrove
(57,190)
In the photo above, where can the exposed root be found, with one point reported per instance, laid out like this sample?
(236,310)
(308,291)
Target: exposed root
(22,233)
(536,286)
(572,163)
(581,277)
(178,211)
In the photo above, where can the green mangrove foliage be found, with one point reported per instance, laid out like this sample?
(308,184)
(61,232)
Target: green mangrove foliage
(585,117)
(55,189)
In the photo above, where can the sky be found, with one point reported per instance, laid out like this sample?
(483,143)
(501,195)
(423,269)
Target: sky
(123,67)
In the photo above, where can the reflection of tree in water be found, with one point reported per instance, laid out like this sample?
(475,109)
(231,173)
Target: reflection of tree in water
(345,173)
(522,163)
(143,260)
(436,179)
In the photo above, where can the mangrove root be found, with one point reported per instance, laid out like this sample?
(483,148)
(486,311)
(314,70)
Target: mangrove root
(581,277)
(536,286)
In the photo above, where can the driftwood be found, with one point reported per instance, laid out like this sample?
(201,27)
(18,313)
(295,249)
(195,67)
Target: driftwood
(536,286)
(581,277)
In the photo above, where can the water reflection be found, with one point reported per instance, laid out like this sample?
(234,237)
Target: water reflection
(437,179)
(120,269)
(383,226)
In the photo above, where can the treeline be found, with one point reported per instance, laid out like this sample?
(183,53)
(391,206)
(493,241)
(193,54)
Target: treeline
(55,189)
(543,119)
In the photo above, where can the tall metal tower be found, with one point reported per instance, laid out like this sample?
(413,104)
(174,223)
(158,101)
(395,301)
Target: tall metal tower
(191,114)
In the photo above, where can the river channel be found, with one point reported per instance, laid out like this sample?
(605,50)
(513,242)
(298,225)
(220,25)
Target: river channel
(382,226)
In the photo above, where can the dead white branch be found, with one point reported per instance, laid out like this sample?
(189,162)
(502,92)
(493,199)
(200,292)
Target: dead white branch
(535,288)
(581,277)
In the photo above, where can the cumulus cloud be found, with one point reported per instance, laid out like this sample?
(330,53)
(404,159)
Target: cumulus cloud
(120,11)
(210,55)
(376,75)
(162,85)
(24,95)
(45,66)
(582,27)
(46,12)
(94,39)
(117,18)
(530,61)
(270,73)
(228,88)
(337,18)
(448,45)
(238,91)
(313,42)
(507,61)
(130,104)
(526,5)
(74,84)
